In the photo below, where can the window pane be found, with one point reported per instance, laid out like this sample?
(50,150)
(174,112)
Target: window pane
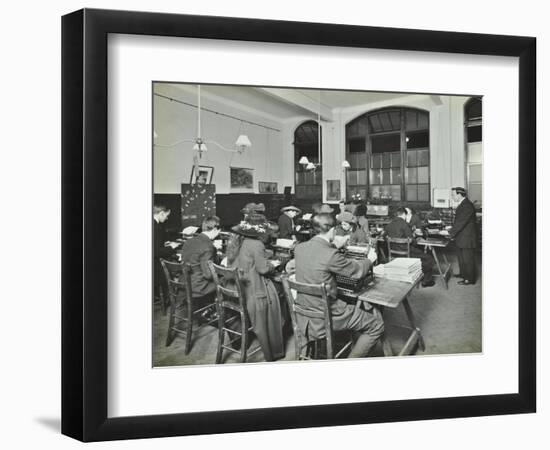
(396,159)
(363,126)
(386,176)
(352,177)
(361,160)
(423,175)
(395,118)
(474,193)
(473,109)
(411,122)
(474,134)
(411,158)
(386,143)
(356,145)
(412,193)
(375,176)
(376,161)
(396,176)
(375,123)
(423,157)
(423,119)
(423,193)
(385,191)
(386,160)
(475,173)
(362,177)
(375,191)
(418,139)
(411,175)
(396,192)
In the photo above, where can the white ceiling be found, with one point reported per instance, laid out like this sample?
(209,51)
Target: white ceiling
(284,103)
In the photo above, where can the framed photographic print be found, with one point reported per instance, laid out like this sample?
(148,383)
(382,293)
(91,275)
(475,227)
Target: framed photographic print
(333,190)
(267,187)
(130,334)
(205,172)
(241,178)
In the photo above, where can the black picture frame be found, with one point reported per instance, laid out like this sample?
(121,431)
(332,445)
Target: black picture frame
(84,224)
(267,187)
(209,174)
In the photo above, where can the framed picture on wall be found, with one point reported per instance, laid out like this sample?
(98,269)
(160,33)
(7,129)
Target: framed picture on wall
(241,178)
(333,190)
(267,187)
(205,175)
(111,386)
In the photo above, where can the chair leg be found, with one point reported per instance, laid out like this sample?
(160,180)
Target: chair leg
(170,334)
(221,335)
(244,337)
(189,330)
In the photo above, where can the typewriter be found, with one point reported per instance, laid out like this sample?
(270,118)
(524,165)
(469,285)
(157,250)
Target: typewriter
(347,286)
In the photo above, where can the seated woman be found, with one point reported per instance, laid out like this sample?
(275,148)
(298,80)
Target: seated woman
(247,252)
(347,225)
(360,214)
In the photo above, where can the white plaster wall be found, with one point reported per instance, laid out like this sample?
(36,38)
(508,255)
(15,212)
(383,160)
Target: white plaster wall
(174,122)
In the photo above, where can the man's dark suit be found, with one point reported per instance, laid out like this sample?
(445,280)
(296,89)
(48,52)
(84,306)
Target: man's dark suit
(159,251)
(317,261)
(464,233)
(399,228)
(286,227)
(197,252)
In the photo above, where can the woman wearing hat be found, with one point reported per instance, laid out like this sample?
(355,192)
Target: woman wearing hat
(246,251)
(286,222)
(347,226)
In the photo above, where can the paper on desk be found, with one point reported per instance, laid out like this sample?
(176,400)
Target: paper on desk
(285,243)
(307,216)
(189,230)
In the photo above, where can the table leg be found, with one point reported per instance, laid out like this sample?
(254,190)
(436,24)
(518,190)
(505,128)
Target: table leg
(416,330)
(434,254)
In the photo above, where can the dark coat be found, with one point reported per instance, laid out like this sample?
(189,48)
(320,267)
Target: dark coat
(197,252)
(286,227)
(159,250)
(262,298)
(317,261)
(464,230)
(399,228)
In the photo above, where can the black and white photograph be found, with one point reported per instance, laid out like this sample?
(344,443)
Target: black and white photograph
(374,250)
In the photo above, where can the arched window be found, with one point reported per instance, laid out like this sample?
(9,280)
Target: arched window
(389,153)
(307,183)
(473,115)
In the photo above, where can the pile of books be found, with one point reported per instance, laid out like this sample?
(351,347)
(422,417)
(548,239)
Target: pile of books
(400,269)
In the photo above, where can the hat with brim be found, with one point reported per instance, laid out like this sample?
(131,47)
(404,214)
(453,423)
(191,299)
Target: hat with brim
(346,216)
(326,209)
(255,226)
(460,190)
(291,208)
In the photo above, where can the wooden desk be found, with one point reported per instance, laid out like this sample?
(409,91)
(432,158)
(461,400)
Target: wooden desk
(390,293)
(430,244)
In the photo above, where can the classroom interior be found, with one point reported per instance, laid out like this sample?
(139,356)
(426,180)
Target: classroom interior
(384,150)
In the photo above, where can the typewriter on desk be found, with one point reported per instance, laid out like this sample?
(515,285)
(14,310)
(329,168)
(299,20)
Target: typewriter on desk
(348,287)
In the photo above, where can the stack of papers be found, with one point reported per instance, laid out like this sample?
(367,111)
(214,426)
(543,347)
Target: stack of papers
(189,230)
(285,243)
(307,216)
(400,269)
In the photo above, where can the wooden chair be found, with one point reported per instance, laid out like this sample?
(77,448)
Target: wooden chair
(302,343)
(398,250)
(183,309)
(230,297)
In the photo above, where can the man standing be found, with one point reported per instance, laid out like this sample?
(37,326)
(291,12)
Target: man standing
(161,247)
(318,261)
(286,222)
(399,228)
(464,234)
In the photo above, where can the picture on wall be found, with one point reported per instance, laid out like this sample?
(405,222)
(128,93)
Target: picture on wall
(267,187)
(204,175)
(333,190)
(241,178)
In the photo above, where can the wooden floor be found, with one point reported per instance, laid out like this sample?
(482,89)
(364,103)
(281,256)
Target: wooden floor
(450,322)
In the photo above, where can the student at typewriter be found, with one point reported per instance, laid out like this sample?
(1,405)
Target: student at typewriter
(415,222)
(399,228)
(197,252)
(287,229)
(319,261)
(348,226)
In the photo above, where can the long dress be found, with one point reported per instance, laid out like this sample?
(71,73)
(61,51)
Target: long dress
(262,300)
